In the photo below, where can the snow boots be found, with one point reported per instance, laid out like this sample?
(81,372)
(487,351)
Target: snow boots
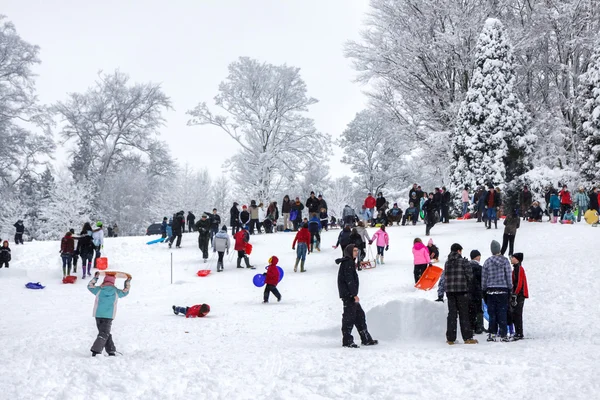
(471,341)
(318,246)
(302,266)
(219,266)
(296,265)
(381,260)
(377,259)
(239,263)
(247,261)
(366,339)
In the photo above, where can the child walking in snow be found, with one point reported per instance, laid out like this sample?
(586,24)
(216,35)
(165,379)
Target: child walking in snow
(421,258)
(519,293)
(85,246)
(105,310)
(272,279)
(554,208)
(199,310)
(241,239)
(67,248)
(5,254)
(382,240)
(221,245)
(303,240)
(434,252)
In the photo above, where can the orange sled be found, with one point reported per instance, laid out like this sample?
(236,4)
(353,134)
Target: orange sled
(429,278)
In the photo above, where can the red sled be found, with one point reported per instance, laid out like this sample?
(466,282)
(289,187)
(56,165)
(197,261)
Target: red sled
(102,263)
(203,272)
(248,249)
(429,278)
(466,216)
(69,279)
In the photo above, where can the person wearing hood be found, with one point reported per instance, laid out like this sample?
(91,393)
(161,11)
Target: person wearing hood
(382,240)
(98,238)
(5,256)
(296,213)
(286,208)
(105,310)
(475,308)
(271,280)
(519,293)
(357,241)
(163,227)
(431,213)
(434,252)
(303,240)
(593,195)
(67,249)
(312,203)
(353,314)
(344,238)
(314,227)
(234,218)
(421,259)
(244,217)
(348,215)
(411,213)
(324,218)
(85,248)
(381,202)
(177,229)
(535,212)
(496,284)
(221,244)
(241,239)
(20,229)
(191,221)
(395,214)
(203,228)
(458,277)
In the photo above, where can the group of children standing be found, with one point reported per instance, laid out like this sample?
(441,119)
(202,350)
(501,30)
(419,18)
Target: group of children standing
(89,247)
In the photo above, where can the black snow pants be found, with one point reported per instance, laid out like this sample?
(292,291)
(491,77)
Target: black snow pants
(104,339)
(458,303)
(353,316)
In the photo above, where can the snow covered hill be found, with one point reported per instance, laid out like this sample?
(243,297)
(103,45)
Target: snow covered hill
(292,350)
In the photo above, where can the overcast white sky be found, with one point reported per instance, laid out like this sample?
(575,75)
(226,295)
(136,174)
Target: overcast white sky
(186,45)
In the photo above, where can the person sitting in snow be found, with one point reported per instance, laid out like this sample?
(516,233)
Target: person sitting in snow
(382,240)
(519,293)
(434,252)
(272,279)
(5,254)
(411,214)
(535,212)
(569,217)
(395,215)
(105,310)
(199,310)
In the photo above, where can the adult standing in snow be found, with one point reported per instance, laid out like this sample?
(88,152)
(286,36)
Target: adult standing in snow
(177,227)
(437,200)
(312,203)
(479,199)
(565,201)
(519,294)
(465,200)
(492,202)
(85,246)
(344,238)
(215,222)
(203,228)
(286,207)
(446,200)
(296,213)
(512,222)
(526,201)
(594,199)
(582,201)
(353,314)
(496,284)
(105,310)
(67,248)
(458,276)
(348,216)
(20,229)
(191,221)
(244,217)
(253,217)
(221,244)
(98,239)
(431,214)
(322,203)
(370,204)
(234,218)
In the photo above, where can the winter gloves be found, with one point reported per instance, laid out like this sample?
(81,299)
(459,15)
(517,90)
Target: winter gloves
(387,247)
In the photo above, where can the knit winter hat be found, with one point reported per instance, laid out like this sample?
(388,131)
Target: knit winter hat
(224,228)
(430,242)
(495,247)
(273,260)
(475,254)
(518,256)
(109,280)
(244,207)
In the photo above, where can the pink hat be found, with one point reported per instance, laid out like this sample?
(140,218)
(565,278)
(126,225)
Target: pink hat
(109,280)
(430,242)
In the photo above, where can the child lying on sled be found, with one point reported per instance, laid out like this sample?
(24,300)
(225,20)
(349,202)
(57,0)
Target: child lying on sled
(199,310)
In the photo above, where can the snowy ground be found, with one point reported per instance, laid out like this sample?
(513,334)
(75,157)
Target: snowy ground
(292,350)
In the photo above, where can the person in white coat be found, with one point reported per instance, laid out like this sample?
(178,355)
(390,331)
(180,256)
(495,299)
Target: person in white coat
(98,239)
(221,244)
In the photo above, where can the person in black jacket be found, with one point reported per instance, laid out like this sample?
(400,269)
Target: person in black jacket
(191,221)
(20,230)
(344,238)
(5,256)
(286,207)
(312,203)
(177,227)
(215,224)
(203,227)
(593,199)
(446,200)
(234,218)
(437,200)
(348,290)
(380,202)
(244,217)
(475,308)
(322,203)
(431,213)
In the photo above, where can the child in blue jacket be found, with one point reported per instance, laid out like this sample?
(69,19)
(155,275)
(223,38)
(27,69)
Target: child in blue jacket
(105,310)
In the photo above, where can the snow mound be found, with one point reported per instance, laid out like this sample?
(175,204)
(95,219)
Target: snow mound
(408,319)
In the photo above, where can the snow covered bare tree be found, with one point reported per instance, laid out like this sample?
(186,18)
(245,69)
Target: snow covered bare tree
(491,143)
(589,125)
(371,145)
(265,107)
(21,150)
(111,121)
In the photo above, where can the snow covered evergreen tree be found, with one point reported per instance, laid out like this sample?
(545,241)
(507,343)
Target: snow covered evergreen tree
(491,143)
(267,105)
(589,113)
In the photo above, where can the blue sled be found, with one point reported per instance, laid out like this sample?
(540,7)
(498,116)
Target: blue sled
(159,240)
(510,329)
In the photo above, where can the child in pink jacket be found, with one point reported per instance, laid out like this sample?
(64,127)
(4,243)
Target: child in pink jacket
(383,243)
(421,258)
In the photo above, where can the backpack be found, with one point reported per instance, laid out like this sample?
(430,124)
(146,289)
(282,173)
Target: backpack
(86,245)
(293,215)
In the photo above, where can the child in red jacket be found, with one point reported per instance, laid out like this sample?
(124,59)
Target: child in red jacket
(199,310)
(303,240)
(272,280)
(519,293)
(67,249)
